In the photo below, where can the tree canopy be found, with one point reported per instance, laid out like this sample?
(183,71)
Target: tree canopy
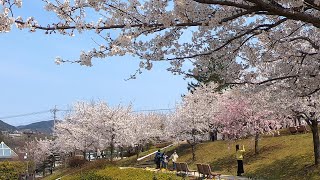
(253,41)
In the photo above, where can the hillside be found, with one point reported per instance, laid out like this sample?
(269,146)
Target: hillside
(42,126)
(284,157)
(6,127)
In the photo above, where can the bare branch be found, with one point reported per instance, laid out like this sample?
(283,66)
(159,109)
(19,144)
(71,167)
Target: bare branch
(224,3)
(314,45)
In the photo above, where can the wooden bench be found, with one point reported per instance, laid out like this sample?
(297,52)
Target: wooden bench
(178,167)
(302,129)
(185,168)
(207,171)
(293,130)
(200,169)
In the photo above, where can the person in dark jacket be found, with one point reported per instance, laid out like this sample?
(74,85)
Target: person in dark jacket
(157,158)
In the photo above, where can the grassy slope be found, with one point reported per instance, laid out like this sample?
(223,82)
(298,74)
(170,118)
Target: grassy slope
(73,173)
(284,157)
(111,172)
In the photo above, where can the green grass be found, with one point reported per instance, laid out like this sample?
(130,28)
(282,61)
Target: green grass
(135,174)
(92,167)
(284,157)
(113,173)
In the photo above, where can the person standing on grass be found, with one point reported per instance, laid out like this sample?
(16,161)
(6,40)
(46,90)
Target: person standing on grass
(174,158)
(164,161)
(157,158)
(239,156)
(98,154)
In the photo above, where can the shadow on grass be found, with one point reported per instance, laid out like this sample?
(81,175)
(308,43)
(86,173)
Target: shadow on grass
(182,150)
(286,168)
(229,163)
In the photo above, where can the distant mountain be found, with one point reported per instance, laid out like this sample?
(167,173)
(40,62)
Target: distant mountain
(6,127)
(42,126)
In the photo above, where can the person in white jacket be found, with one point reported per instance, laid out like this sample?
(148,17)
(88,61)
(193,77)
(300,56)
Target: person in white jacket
(174,158)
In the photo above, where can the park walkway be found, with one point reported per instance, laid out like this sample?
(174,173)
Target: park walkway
(195,175)
(150,162)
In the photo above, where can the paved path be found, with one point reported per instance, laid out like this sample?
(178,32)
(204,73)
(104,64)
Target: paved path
(196,174)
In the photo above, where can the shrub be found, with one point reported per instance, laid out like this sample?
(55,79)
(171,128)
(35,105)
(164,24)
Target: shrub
(76,162)
(11,170)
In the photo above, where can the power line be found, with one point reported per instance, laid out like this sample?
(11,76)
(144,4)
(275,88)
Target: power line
(27,114)
(56,110)
(33,113)
(144,110)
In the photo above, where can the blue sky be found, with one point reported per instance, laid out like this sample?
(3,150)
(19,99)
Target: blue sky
(32,82)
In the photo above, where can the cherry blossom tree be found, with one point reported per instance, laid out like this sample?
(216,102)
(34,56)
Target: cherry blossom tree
(263,41)
(254,31)
(79,130)
(192,119)
(112,124)
(235,113)
(306,107)
(96,125)
(288,103)
(39,151)
(255,41)
(241,116)
(147,127)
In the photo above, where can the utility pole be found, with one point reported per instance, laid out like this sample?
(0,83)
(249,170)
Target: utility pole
(54,111)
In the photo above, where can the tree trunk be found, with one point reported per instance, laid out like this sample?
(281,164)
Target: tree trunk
(193,148)
(256,143)
(84,154)
(138,151)
(44,169)
(112,146)
(316,144)
(111,151)
(66,160)
(121,152)
(214,135)
(193,145)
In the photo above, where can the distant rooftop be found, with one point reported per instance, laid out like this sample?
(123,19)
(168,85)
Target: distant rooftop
(6,152)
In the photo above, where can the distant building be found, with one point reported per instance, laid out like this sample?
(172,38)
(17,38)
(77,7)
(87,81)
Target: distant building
(5,133)
(15,135)
(6,153)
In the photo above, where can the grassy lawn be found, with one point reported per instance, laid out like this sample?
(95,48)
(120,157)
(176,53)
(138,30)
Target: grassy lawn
(284,157)
(110,173)
(104,166)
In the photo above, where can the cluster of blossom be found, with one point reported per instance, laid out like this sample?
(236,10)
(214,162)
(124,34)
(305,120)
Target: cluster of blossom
(93,126)
(235,113)
(5,21)
(39,150)
(234,33)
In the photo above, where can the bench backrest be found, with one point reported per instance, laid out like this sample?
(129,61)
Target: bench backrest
(178,165)
(302,128)
(206,169)
(184,167)
(293,129)
(200,168)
